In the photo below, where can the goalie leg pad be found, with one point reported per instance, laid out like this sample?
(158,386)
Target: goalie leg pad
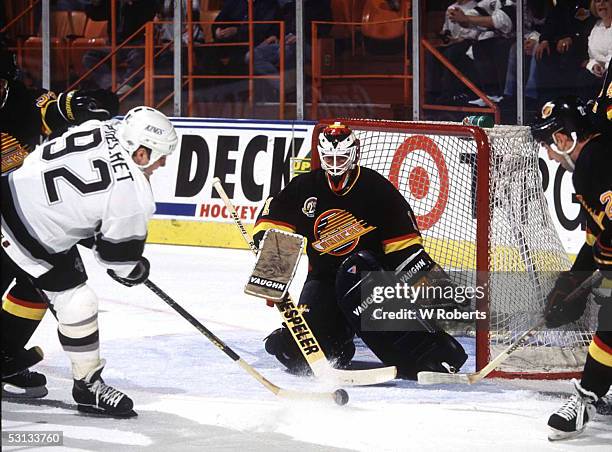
(327,323)
(425,347)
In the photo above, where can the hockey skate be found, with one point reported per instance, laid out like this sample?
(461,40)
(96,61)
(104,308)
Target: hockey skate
(93,396)
(17,361)
(570,420)
(24,385)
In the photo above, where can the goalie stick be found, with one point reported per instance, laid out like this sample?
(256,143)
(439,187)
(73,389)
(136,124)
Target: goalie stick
(432,378)
(340,396)
(306,341)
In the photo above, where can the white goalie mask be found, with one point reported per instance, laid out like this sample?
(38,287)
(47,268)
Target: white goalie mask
(338,149)
(145,126)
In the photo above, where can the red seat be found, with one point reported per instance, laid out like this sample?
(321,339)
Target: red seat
(64,26)
(94,36)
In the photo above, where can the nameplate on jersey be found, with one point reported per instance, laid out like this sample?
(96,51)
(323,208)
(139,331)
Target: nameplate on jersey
(276,264)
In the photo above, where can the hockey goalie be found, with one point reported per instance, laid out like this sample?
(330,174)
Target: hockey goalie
(356,225)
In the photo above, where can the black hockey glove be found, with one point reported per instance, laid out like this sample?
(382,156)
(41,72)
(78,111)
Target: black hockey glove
(78,106)
(559,309)
(137,276)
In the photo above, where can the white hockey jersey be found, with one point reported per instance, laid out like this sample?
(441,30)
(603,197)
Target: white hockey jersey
(82,185)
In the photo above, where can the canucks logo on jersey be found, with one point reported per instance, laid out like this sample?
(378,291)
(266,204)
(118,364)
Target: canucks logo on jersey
(337,232)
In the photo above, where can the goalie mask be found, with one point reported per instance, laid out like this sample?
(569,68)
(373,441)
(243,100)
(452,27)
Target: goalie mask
(338,152)
(567,115)
(145,126)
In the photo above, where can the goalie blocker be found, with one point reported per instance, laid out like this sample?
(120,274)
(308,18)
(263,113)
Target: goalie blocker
(277,261)
(421,344)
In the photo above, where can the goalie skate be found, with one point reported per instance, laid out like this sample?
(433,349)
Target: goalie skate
(276,263)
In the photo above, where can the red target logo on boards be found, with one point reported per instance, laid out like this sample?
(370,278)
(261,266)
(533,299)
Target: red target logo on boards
(420,180)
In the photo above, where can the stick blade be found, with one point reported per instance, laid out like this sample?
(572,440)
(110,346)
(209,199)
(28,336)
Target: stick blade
(362,377)
(439,378)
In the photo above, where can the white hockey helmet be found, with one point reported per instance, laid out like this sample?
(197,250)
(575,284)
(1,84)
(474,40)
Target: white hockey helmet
(145,126)
(338,149)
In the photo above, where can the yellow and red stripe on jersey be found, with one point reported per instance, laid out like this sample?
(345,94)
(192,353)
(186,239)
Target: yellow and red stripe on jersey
(24,309)
(264,225)
(600,351)
(402,242)
(590,238)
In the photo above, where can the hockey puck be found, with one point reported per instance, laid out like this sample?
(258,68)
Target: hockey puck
(341,397)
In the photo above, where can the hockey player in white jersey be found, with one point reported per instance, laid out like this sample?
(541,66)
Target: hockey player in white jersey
(90,182)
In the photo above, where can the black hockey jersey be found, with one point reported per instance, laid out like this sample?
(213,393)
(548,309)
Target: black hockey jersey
(26,117)
(592,180)
(370,215)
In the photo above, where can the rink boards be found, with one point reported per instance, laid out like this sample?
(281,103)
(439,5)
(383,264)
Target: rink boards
(254,158)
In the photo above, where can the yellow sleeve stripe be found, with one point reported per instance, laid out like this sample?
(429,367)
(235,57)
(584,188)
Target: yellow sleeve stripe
(400,243)
(270,224)
(590,239)
(600,352)
(25,312)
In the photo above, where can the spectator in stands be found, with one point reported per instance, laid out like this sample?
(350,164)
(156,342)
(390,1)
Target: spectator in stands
(266,56)
(456,42)
(533,21)
(167,15)
(494,21)
(590,78)
(562,47)
(131,16)
(236,11)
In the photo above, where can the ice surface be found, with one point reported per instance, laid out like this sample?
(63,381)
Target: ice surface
(190,396)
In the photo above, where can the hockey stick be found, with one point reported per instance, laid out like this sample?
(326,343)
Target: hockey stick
(340,396)
(302,334)
(432,378)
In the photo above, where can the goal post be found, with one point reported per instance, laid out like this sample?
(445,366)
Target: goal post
(477,195)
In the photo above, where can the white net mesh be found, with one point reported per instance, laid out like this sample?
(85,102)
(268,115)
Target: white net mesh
(435,170)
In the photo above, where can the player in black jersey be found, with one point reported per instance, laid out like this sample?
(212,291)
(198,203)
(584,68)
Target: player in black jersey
(354,220)
(601,111)
(26,116)
(570,139)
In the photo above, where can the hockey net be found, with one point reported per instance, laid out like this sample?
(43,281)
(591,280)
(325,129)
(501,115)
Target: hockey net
(487,224)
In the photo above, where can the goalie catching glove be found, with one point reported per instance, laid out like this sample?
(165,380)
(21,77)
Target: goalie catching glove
(78,106)
(420,270)
(138,275)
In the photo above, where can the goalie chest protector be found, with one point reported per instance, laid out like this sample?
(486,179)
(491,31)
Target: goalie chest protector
(370,215)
